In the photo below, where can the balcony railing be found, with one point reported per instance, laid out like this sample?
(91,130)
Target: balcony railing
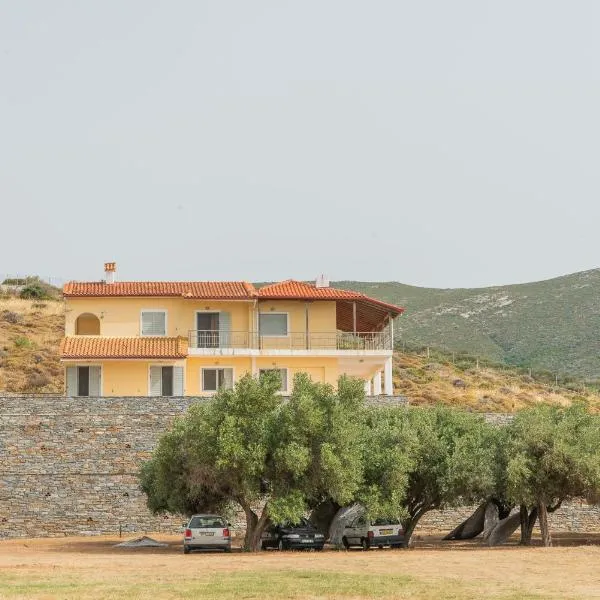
(251,340)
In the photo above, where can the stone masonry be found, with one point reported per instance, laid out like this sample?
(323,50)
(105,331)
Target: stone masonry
(69,466)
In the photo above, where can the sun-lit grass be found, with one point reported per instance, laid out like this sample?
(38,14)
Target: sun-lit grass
(72,568)
(295,584)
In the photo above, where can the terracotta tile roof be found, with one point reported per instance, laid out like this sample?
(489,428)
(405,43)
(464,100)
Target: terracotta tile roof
(300,290)
(87,347)
(213,290)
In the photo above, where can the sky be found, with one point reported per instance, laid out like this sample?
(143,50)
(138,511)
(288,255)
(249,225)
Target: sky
(436,143)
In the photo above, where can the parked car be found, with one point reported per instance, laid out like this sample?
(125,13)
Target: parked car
(290,536)
(206,532)
(368,534)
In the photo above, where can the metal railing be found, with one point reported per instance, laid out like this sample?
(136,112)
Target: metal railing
(334,340)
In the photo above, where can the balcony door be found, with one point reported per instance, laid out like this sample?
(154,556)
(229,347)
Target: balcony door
(207,324)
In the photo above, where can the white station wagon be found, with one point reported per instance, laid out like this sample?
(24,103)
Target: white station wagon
(206,532)
(368,534)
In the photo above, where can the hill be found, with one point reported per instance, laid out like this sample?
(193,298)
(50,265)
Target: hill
(30,333)
(550,325)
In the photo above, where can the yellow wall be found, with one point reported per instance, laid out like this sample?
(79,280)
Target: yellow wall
(130,377)
(120,317)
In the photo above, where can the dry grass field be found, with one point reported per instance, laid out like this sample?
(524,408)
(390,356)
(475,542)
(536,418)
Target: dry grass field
(30,333)
(92,568)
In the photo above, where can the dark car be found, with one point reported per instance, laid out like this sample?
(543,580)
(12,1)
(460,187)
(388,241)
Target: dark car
(288,536)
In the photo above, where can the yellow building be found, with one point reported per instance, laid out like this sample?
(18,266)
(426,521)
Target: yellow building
(192,338)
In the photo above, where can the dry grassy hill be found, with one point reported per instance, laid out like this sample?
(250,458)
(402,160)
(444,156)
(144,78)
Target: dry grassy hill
(30,333)
(438,379)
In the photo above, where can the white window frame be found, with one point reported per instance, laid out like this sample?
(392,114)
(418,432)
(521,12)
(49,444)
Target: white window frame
(273,312)
(172,365)
(214,368)
(77,365)
(287,377)
(154,310)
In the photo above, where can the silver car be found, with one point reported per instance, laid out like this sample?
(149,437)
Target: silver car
(206,532)
(368,534)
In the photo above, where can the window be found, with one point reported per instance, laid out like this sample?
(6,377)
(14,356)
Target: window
(282,375)
(154,322)
(215,379)
(166,381)
(83,381)
(273,324)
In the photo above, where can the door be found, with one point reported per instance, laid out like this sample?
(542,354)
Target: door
(207,324)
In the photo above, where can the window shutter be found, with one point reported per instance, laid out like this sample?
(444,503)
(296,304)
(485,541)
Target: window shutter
(153,323)
(95,382)
(284,381)
(224,330)
(155,381)
(177,381)
(71,381)
(228,378)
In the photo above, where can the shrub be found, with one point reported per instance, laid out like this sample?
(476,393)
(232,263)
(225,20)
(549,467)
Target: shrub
(37,380)
(10,317)
(33,291)
(23,342)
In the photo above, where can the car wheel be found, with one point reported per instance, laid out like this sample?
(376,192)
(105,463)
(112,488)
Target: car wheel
(280,545)
(345,542)
(264,546)
(364,542)
(227,549)
(186,549)
(396,546)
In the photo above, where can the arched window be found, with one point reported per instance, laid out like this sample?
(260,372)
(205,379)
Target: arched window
(87,324)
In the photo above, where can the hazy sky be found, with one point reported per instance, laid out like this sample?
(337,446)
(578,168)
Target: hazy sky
(448,143)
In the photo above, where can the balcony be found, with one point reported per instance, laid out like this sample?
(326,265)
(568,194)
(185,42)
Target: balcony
(320,342)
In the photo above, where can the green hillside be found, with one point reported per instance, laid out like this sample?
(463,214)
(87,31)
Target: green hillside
(549,325)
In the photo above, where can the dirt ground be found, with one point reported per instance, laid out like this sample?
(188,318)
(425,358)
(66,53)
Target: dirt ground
(93,568)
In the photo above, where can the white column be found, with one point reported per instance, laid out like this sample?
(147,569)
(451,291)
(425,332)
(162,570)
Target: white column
(253,367)
(377,384)
(368,387)
(387,376)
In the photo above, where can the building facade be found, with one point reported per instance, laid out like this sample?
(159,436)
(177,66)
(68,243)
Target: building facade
(192,338)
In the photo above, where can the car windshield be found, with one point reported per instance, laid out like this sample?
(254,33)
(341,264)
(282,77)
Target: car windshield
(206,522)
(378,522)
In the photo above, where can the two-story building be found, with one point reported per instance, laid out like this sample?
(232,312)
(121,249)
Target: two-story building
(192,338)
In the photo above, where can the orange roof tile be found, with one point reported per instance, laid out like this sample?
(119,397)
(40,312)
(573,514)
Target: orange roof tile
(300,290)
(134,347)
(214,290)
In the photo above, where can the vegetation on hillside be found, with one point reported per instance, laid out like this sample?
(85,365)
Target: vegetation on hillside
(30,333)
(548,325)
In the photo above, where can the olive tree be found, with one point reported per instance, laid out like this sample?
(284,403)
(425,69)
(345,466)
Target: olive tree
(275,458)
(423,459)
(551,455)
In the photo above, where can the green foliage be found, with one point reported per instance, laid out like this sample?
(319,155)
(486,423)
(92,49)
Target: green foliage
(552,455)
(424,459)
(248,441)
(23,342)
(34,291)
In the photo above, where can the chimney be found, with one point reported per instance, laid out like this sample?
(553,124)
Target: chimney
(322,281)
(109,271)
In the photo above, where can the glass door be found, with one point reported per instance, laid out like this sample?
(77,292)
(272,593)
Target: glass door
(207,325)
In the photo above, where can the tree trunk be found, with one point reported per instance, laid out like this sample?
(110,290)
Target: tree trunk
(545,530)
(409,525)
(255,538)
(527,522)
(251,523)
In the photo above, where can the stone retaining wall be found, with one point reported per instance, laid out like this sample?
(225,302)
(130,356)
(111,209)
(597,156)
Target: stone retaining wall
(69,466)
